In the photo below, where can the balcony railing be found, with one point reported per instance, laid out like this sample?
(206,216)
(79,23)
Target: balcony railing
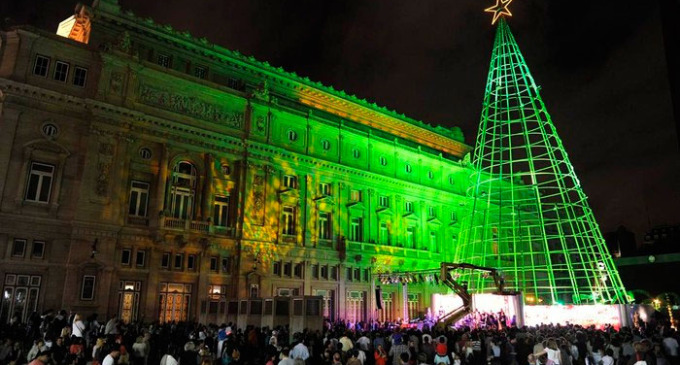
(354,246)
(179,224)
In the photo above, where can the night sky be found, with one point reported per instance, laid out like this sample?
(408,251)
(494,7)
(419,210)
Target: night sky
(601,67)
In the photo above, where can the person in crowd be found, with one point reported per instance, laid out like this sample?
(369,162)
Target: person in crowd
(380,355)
(670,347)
(78,327)
(396,350)
(38,346)
(98,351)
(110,358)
(111,327)
(42,358)
(140,351)
(285,357)
(552,351)
(336,343)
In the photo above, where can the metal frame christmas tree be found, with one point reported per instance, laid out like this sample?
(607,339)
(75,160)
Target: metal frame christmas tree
(528,215)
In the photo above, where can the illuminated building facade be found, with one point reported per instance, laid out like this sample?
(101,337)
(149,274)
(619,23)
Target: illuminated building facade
(151,174)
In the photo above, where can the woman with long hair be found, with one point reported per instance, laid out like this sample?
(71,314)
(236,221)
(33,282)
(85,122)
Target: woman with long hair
(552,351)
(380,356)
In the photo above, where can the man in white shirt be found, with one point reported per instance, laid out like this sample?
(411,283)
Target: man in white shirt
(110,359)
(111,326)
(364,342)
(347,344)
(299,351)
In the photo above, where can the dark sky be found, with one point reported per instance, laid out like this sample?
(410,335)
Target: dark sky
(601,67)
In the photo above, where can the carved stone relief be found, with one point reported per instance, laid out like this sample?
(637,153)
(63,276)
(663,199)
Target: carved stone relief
(191,106)
(104,163)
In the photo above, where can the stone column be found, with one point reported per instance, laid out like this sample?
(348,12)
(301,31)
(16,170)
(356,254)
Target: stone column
(207,186)
(10,122)
(161,184)
(404,302)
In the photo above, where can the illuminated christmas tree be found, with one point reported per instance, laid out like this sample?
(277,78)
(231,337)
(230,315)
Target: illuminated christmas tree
(528,215)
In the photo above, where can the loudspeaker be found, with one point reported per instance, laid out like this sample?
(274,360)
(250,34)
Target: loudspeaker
(378,298)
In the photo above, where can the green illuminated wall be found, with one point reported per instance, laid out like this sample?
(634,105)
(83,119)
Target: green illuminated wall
(528,215)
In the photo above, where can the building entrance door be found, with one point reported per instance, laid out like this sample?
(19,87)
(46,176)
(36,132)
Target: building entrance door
(128,300)
(174,302)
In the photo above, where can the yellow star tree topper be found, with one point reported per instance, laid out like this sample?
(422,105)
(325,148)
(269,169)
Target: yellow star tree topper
(500,9)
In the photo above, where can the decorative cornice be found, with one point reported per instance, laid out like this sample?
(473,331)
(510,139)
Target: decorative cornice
(309,92)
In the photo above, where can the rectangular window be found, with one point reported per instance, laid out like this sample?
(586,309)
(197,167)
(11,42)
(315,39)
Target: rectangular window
(165,260)
(125,256)
(357,274)
(348,275)
(191,262)
(384,201)
(325,189)
(79,76)
(61,71)
(19,248)
(42,65)
(355,195)
(408,207)
(410,237)
(201,72)
(179,261)
(140,260)
(221,211)
(163,60)
(139,199)
(213,264)
(288,221)
(432,212)
(39,182)
(324,272)
(87,290)
(226,265)
(367,275)
(325,226)
(287,269)
(297,272)
(277,268)
(356,230)
(233,83)
(38,249)
(334,273)
(383,234)
(433,241)
(290,181)
(315,271)
(454,217)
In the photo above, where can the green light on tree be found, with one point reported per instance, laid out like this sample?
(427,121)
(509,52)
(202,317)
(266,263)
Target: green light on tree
(529,216)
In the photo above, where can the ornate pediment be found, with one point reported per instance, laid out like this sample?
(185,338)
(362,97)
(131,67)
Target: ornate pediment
(356,205)
(289,193)
(434,220)
(384,211)
(411,216)
(325,199)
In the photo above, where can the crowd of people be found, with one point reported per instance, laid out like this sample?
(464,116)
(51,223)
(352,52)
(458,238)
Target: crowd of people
(63,338)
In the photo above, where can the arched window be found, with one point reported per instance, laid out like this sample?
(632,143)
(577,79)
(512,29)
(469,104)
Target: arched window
(183,190)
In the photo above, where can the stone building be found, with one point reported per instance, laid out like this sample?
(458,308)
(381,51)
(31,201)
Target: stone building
(151,174)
